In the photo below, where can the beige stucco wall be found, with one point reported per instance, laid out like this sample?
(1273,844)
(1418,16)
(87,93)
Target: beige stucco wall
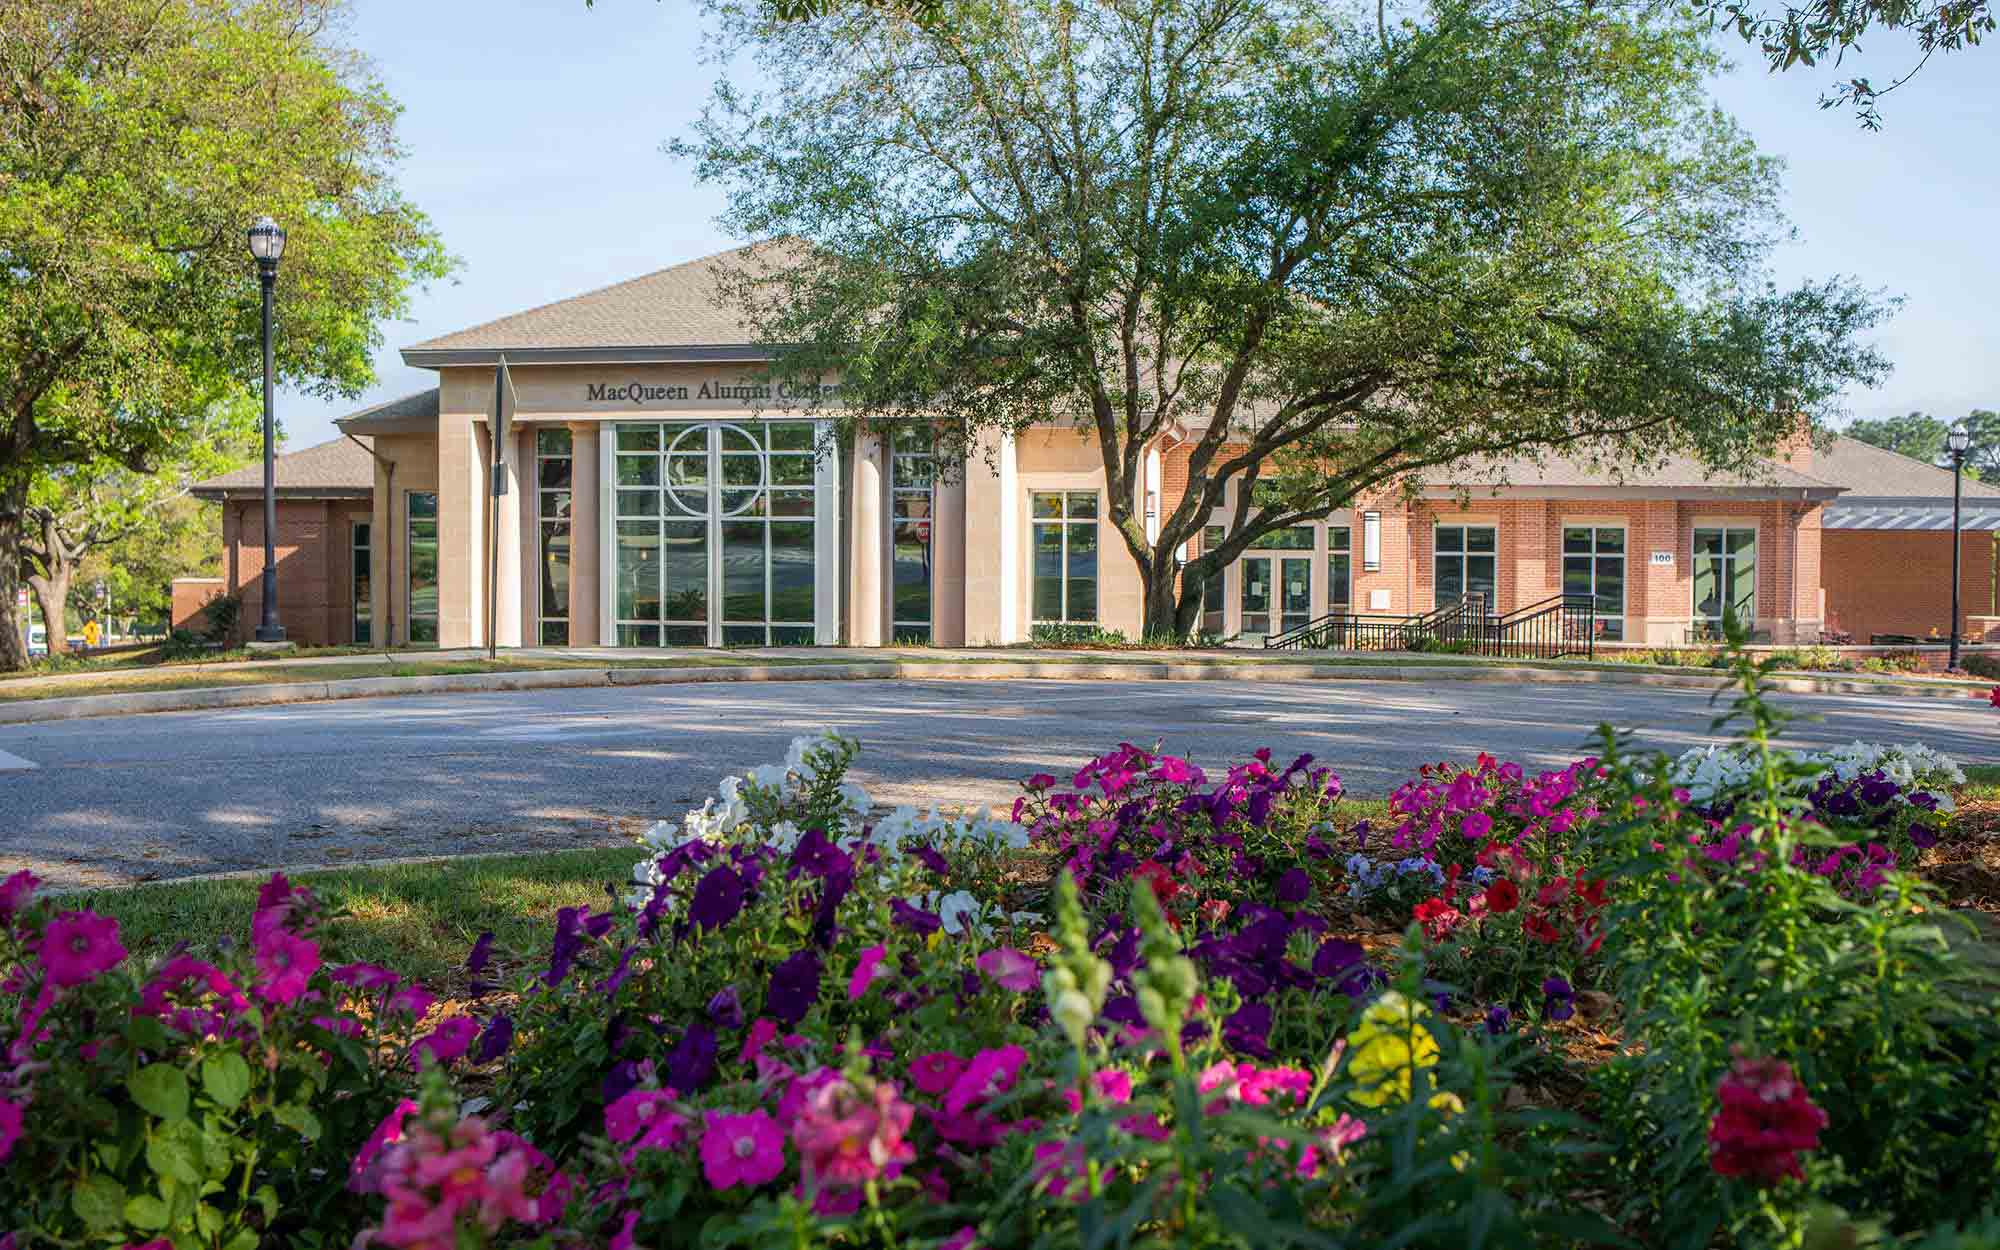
(1065,459)
(415,459)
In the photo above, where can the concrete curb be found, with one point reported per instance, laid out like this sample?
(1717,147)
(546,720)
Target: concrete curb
(30,711)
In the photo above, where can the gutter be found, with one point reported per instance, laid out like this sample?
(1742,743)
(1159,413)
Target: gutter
(452,357)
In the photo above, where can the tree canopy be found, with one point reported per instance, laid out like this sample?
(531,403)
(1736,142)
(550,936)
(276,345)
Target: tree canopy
(138,141)
(1321,252)
(1922,437)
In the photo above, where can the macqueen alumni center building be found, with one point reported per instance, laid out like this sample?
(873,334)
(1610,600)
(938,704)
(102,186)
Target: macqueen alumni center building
(659,494)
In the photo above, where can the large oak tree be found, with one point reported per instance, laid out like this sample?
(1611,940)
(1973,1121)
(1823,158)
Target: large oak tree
(1322,251)
(138,141)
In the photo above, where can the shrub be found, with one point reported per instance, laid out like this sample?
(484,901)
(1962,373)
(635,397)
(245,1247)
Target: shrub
(1979,664)
(1075,634)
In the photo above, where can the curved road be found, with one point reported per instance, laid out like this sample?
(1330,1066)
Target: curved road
(128,798)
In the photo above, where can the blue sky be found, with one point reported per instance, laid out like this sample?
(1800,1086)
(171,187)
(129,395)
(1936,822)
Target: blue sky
(533,129)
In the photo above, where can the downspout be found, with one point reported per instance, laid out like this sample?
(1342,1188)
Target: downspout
(388,544)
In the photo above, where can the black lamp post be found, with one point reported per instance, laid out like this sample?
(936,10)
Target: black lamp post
(1958,442)
(267,244)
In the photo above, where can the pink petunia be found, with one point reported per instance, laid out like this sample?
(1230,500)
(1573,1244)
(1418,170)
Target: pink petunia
(414,999)
(746,1150)
(622,1239)
(15,892)
(285,964)
(762,1030)
(78,947)
(991,1072)
(936,1072)
(388,1131)
(846,1137)
(11,1115)
(637,1111)
(966,1238)
(1010,969)
(450,1040)
(866,971)
(365,976)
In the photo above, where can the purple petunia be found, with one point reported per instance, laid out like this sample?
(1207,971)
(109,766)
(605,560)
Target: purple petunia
(1295,886)
(691,1065)
(1559,1000)
(908,917)
(726,1009)
(1247,1029)
(482,953)
(794,987)
(1923,836)
(497,1040)
(1497,1019)
(718,899)
(931,859)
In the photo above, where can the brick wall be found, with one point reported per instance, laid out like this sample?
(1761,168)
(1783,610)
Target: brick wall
(314,548)
(1899,581)
(190,601)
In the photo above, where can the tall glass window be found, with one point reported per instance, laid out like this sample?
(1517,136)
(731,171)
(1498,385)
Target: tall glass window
(552,499)
(420,510)
(1211,590)
(1339,568)
(1725,574)
(913,507)
(714,526)
(364,600)
(1065,537)
(1468,563)
(1594,565)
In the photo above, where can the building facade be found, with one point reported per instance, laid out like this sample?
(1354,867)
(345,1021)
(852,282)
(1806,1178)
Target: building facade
(655,492)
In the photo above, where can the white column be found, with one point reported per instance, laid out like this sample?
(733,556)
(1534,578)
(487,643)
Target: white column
(948,561)
(864,598)
(826,538)
(992,542)
(508,511)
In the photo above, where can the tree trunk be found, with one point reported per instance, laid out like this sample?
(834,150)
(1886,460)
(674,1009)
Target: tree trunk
(13,509)
(52,593)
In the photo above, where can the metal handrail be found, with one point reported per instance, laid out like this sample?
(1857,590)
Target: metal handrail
(1557,626)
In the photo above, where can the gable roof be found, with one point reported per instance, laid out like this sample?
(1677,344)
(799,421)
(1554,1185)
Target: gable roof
(412,414)
(1870,472)
(335,469)
(676,313)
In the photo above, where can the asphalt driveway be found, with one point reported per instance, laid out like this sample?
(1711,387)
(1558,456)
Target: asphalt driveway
(173,794)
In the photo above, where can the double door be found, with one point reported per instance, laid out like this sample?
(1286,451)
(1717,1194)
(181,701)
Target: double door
(1277,593)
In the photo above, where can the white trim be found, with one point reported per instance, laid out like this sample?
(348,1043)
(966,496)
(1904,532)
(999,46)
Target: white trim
(1011,501)
(607,535)
(826,537)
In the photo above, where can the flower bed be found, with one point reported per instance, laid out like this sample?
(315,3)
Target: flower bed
(1155,1006)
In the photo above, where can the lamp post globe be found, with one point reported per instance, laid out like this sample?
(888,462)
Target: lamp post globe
(267,247)
(1958,441)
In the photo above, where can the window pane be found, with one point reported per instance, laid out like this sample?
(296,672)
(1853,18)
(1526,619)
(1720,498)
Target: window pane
(555,568)
(554,474)
(552,440)
(1048,573)
(1082,504)
(1609,539)
(1340,579)
(1480,578)
(1339,538)
(638,586)
(638,438)
(790,503)
(743,571)
(1293,538)
(1211,538)
(912,472)
(1450,538)
(739,440)
(1611,584)
(1256,597)
(555,504)
(792,571)
(912,572)
(1743,588)
(1742,542)
(1481,538)
(789,435)
(1708,542)
(638,503)
(685,588)
(423,629)
(423,503)
(555,633)
(792,470)
(1450,579)
(742,470)
(1576,541)
(1707,587)
(1082,572)
(638,470)
(1296,591)
(638,635)
(1046,505)
(1576,575)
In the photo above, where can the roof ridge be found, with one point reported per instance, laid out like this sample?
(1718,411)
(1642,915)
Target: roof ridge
(593,292)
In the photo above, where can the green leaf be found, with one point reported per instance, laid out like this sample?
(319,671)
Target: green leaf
(244,1240)
(147,1212)
(160,1089)
(99,1202)
(267,1198)
(226,1079)
(299,1118)
(173,1158)
(207,1221)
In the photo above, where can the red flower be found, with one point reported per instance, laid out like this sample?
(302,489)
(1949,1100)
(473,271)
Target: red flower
(1765,1121)
(1437,916)
(1157,875)
(1552,893)
(1539,927)
(1590,892)
(1996,696)
(1502,897)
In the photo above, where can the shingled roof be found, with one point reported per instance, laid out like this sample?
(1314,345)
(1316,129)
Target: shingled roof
(335,469)
(412,414)
(676,312)
(1678,476)
(1870,472)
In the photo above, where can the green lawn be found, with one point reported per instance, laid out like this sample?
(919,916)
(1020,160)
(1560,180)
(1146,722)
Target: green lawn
(418,918)
(1982,781)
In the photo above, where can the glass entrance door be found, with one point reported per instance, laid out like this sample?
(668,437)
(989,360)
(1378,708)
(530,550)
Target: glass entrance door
(1295,592)
(1271,609)
(715,534)
(1256,615)
(1725,575)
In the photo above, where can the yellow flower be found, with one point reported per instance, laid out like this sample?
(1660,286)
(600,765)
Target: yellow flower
(1388,1047)
(1450,1104)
